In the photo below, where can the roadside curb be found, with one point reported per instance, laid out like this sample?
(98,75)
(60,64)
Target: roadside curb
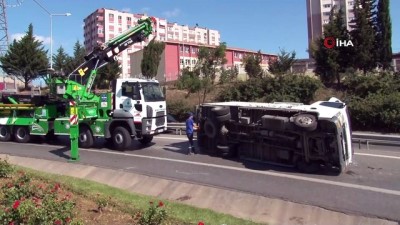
(248,206)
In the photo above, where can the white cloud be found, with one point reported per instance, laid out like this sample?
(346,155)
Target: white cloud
(126,9)
(18,36)
(172,13)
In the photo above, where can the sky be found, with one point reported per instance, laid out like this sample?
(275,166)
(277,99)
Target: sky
(266,25)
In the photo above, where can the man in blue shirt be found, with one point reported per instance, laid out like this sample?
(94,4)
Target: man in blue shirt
(190,128)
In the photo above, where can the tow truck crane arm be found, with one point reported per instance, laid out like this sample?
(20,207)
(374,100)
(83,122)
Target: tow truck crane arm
(100,56)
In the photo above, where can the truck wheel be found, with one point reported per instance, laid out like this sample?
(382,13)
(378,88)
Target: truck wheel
(210,129)
(145,139)
(5,134)
(121,138)
(220,110)
(86,139)
(223,118)
(22,135)
(306,122)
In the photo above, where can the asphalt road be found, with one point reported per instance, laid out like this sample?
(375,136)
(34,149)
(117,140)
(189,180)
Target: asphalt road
(370,187)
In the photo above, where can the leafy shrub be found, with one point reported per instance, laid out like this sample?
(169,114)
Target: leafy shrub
(6,169)
(378,112)
(25,202)
(294,88)
(154,215)
(179,109)
(363,85)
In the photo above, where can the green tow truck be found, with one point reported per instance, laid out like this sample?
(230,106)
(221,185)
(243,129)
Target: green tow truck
(134,108)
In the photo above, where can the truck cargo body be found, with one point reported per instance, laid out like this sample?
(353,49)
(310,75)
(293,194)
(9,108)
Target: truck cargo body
(306,136)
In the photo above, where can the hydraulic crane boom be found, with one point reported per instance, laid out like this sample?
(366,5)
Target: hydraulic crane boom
(101,55)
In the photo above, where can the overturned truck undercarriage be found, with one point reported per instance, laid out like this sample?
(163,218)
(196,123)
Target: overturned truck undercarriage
(305,136)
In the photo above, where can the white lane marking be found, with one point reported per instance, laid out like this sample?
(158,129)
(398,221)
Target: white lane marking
(171,138)
(379,156)
(275,174)
(191,173)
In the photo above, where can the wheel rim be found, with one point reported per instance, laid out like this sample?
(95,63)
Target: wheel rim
(119,139)
(83,137)
(21,133)
(3,132)
(305,120)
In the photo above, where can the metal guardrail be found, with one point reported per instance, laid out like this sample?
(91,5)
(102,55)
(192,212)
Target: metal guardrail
(178,128)
(357,137)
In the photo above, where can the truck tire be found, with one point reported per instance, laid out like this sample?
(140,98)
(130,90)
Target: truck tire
(220,110)
(210,129)
(22,134)
(5,134)
(146,139)
(85,139)
(223,118)
(121,138)
(306,122)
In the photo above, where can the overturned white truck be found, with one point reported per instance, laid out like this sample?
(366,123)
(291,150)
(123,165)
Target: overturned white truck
(309,137)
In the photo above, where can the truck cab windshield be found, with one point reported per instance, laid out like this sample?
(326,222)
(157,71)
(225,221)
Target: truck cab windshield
(152,92)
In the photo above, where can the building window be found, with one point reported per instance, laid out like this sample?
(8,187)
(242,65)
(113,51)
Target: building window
(128,19)
(111,16)
(187,61)
(186,49)
(327,5)
(181,48)
(193,50)
(181,61)
(120,17)
(326,21)
(351,3)
(111,28)
(100,31)
(194,62)
(326,13)
(128,26)
(169,36)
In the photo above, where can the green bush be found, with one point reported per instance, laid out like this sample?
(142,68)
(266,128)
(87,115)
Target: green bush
(377,112)
(293,88)
(364,85)
(154,215)
(179,109)
(24,202)
(6,169)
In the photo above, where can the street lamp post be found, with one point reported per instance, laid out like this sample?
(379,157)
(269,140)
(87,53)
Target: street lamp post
(51,35)
(51,28)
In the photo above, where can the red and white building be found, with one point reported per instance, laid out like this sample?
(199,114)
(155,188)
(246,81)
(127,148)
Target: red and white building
(179,55)
(104,24)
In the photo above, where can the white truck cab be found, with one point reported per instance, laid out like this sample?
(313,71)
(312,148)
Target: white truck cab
(145,101)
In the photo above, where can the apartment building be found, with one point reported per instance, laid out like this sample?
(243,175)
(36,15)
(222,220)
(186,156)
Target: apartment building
(104,24)
(179,55)
(318,12)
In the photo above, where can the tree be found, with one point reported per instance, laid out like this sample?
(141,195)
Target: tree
(283,64)
(25,58)
(384,34)
(252,65)
(228,75)
(190,81)
(363,35)
(151,58)
(106,74)
(77,59)
(331,62)
(60,60)
(210,61)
